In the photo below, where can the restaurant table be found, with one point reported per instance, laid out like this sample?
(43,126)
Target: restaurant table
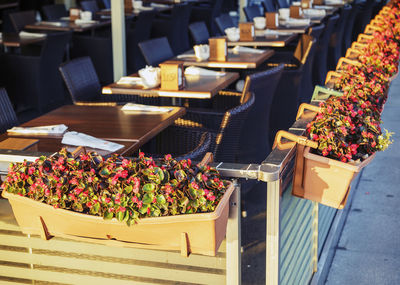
(105,122)
(266,40)
(65,25)
(135,12)
(240,60)
(196,87)
(11,4)
(16,40)
(296,30)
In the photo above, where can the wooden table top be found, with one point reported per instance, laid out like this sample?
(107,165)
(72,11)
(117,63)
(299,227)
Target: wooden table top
(296,30)
(266,41)
(67,26)
(197,87)
(105,122)
(241,60)
(15,40)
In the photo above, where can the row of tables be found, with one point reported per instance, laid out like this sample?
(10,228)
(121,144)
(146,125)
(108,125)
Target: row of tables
(135,129)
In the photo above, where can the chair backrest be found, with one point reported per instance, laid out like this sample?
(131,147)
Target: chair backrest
(336,39)
(316,31)
(140,32)
(348,34)
(8,118)
(54,12)
(303,48)
(184,27)
(254,138)
(269,5)
(227,140)
(81,79)
(306,86)
(199,33)
(156,50)
(20,19)
(282,4)
(182,143)
(223,22)
(106,4)
(91,6)
(251,12)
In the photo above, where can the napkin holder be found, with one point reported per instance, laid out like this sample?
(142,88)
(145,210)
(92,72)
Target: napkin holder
(74,14)
(172,77)
(306,4)
(246,31)
(295,12)
(218,49)
(128,5)
(318,2)
(272,20)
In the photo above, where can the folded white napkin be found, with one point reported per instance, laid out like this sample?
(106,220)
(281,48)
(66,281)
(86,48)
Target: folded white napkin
(291,22)
(32,35)
(1,35)
(194,70)
(65,18)
(139,108)
(269,32)
(323,7)
(144,8)
(80,139)
(50,23)
(130,80)
(84,22)
(334,2)
(156,5)
(42,130)
(314,13)
(239,49)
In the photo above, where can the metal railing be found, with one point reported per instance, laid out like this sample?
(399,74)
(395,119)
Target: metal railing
(276,171)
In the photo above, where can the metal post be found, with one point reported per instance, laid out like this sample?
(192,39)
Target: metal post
(118,38)
(315,237)
(273,231)
(233,240)
(242,16)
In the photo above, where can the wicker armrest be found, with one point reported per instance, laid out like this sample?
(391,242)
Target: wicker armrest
(226,100)
(286,65)
(81,103)
(209,119)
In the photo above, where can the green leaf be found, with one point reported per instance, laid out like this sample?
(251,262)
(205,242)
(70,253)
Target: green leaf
(104,172)
(128,189)
(147,198)
(143,210)
(149,187)
(120,216)
(108,215)
(161,199)
(96,208)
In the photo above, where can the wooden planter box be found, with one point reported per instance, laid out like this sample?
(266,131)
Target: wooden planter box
(324,180)
(190,233)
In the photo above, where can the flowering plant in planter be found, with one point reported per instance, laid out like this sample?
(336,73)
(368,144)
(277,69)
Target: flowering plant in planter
(116,187)
(347,130)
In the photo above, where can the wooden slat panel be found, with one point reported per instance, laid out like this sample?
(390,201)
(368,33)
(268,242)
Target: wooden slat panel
(93,265)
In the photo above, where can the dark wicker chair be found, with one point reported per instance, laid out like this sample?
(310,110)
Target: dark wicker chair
(91,6)
(20,19)
(54,12)
(106,4)
(199,33)
(292,89)
(223,22)
(173,27)
(225,126)
(363,17)
(207,14)
(252,11)
(33,82)
(320,68)
(335,42)
(156,50)
(348,33)
(282,4)
(83,84)
(138,32)
(8,118)
(181,142)
(99,49)
(269,5)
(254,138)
